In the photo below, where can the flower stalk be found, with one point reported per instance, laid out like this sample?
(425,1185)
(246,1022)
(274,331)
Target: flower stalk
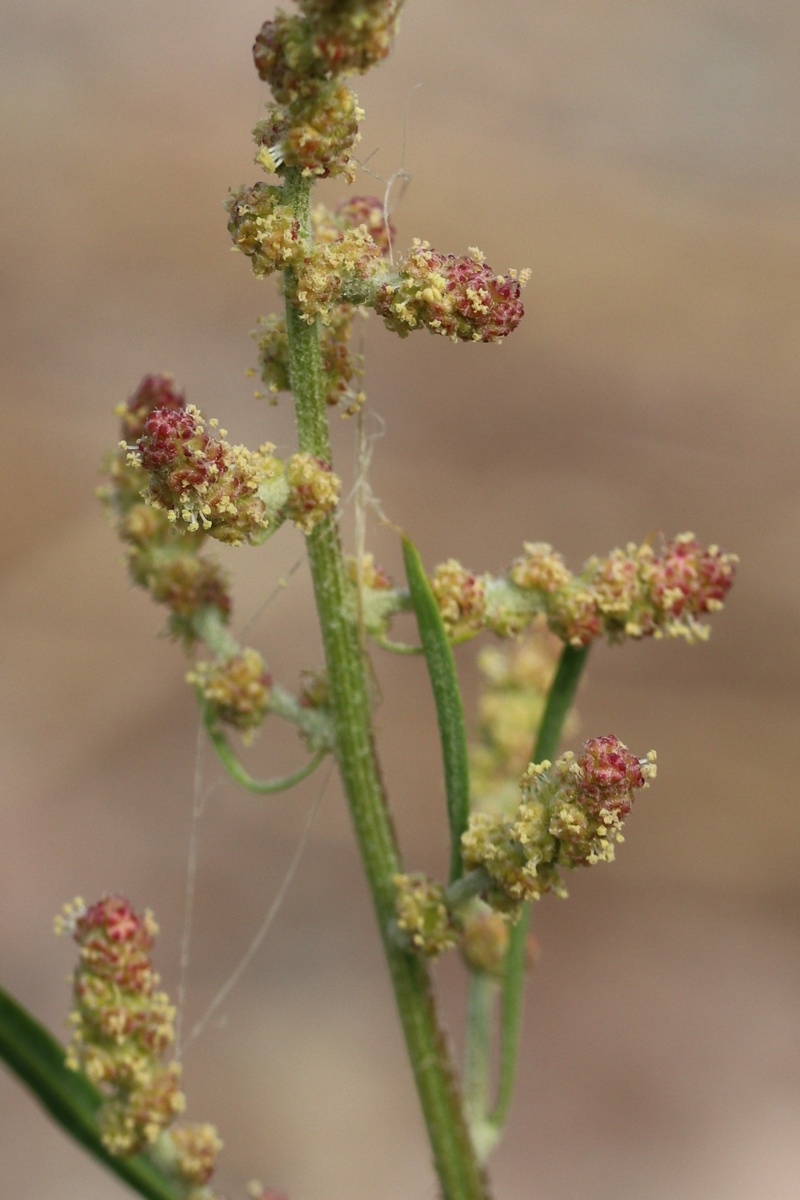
(460,1174)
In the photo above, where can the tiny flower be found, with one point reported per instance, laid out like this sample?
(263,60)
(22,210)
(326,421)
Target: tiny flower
(516,680)
(187,584)
(686,581)
(609,774)
(335,272)
(284,57)
(632,593)
(369,573)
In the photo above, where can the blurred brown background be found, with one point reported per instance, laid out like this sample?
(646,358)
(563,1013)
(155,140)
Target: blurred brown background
(642,159)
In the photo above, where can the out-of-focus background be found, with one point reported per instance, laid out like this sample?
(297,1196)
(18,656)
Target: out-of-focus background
(642,159)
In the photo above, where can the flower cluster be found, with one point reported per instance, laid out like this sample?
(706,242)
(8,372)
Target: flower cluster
(122,1030)
(422,915)
(637,592)
(305,58)
(234,494)
(570,815)
(263,228)
(315,133)
(461,596)
(641,591)
(313,490)
(236,690)
(337,272)
(170,567)
(460,298)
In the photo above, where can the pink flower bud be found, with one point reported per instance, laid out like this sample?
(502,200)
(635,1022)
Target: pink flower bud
(155,391)
(609,774)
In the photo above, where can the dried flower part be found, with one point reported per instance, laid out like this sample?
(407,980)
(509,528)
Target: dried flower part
(236,690)
(461,596)
(570,815)
(484,940)
(122,1025)
(460,298)
(202,482)
(632,593)
(263,228)
(422,914)
(314,490)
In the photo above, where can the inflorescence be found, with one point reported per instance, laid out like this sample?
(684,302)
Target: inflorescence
(568,814)
(345,259)
(122,1030)
(642,591)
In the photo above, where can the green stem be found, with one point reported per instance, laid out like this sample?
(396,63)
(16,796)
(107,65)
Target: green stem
(559,701)
(459,1172)
(237,772)
(481,999)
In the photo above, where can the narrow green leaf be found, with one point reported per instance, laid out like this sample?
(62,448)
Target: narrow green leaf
(447,697)
(38,1060)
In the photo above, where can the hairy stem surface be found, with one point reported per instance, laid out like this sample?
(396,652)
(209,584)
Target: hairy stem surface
(459,1173)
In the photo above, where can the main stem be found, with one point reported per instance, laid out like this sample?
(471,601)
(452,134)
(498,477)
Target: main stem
(460,1174)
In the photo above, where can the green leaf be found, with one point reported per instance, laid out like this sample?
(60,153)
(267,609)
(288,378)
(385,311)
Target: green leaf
(447,697)
(38,1060)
